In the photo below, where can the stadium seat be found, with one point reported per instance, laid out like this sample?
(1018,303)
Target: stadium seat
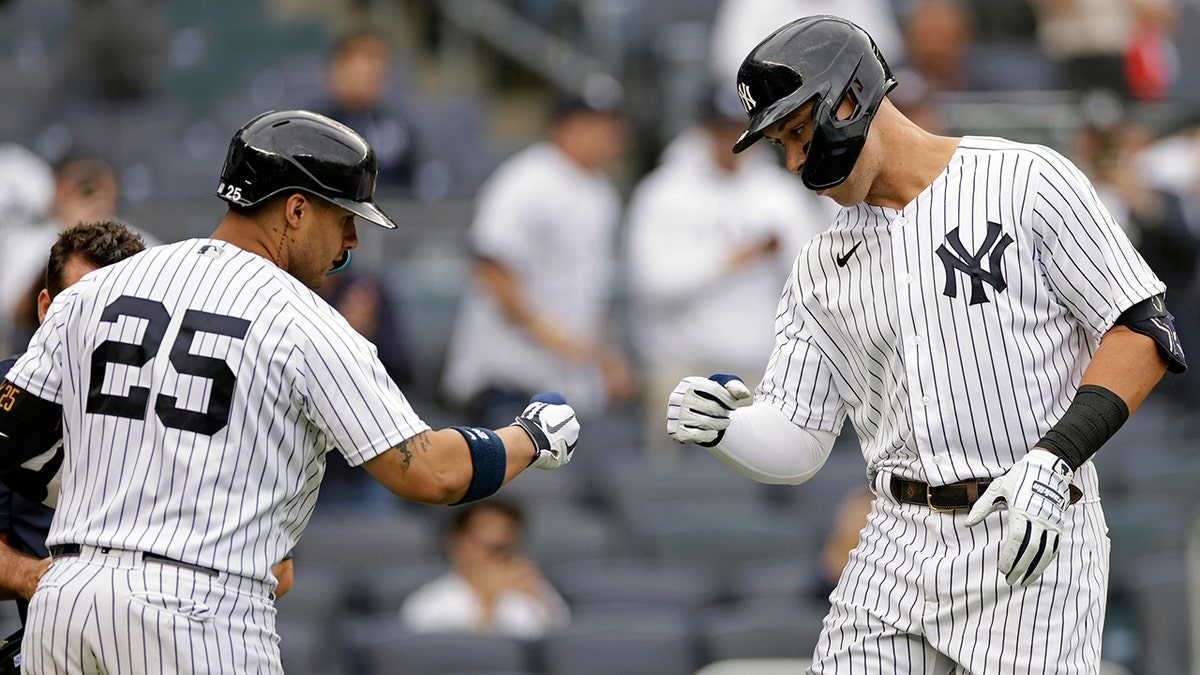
(761,630)
(634,581)
(621,641)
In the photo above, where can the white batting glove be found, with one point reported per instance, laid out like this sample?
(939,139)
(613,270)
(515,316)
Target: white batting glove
(1036,491)
(553,428)
(698,410)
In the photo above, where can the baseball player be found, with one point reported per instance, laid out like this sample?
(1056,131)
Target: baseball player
(986,327)
(200,387)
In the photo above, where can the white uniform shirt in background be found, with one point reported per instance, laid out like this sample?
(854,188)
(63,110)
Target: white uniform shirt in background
(685,219)
(553,225)
(449,604)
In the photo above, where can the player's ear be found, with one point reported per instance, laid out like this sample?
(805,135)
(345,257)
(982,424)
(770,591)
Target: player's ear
(295,206)
(43,304)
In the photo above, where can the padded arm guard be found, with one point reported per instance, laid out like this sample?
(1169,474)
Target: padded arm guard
(1151,318)
(29,426)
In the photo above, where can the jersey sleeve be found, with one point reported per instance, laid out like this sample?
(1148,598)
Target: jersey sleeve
(798,380)
(36,370)
(350,395)
(1088,260)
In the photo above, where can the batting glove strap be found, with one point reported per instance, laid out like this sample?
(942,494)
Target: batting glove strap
(698,409)
(1036,491)
(554,430)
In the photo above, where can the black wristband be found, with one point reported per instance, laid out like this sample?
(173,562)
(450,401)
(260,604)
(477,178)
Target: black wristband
(490,461)
(1091,419)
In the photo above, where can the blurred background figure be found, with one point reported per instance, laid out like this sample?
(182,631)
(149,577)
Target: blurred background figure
(535,315)
(491,586)
(741,24)
(938,35)
(711,239)
(115,50)
(357,80)
(85,190)
(1155,217)
(1120,45)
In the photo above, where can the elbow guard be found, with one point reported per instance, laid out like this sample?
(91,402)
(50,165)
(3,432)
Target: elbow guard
(29,426)
(1151,318)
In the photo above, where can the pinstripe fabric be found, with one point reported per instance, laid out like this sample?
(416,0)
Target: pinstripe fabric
(202,389)
(953,334)
(113,613)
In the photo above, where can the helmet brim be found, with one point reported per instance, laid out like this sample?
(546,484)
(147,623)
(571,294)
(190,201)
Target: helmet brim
(773,113)
(367,210)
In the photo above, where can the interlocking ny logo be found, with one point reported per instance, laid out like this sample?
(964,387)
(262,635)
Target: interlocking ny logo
(746,96)
(962,260)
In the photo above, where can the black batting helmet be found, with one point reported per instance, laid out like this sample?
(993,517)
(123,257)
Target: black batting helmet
(301,150)
(821,59)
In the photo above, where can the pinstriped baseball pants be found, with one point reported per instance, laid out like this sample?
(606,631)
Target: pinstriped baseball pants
(922,595)
(110,613)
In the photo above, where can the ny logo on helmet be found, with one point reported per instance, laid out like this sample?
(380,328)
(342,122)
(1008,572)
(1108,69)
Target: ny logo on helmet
(964,261)
(744,94)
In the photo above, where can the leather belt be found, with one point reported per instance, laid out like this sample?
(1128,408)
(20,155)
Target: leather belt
(61,550)
(960,495)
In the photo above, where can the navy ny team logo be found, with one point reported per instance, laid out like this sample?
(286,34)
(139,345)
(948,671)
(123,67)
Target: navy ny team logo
(957,257)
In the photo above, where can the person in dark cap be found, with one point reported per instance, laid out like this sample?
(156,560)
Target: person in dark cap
(543,241)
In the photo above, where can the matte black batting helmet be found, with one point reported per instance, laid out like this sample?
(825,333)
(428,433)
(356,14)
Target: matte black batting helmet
(821,59)
(301,150)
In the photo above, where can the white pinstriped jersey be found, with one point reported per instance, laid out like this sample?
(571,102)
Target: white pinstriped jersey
(954,332)
(202,387)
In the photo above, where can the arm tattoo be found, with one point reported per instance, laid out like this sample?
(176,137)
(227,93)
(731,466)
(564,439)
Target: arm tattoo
(419,442)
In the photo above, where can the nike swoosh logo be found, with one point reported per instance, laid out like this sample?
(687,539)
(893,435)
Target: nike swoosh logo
(553,428)
(843,259)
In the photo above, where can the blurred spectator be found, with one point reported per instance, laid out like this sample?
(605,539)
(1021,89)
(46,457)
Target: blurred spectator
(712,236)
(85,189)
(491,587)
(1154,217)
(114,50)
(937,38)
(742,24)
(1118,45)
(370,310)
(535,314)
(357,79)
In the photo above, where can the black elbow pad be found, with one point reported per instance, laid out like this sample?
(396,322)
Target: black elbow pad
(1151,318)
(29,426)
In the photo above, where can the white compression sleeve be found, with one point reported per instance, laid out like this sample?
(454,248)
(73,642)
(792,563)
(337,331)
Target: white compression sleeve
(763,444)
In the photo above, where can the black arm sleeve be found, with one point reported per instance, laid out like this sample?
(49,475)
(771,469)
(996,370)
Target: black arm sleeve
(29,425)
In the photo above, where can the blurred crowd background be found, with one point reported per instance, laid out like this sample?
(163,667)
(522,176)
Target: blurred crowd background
(667,561)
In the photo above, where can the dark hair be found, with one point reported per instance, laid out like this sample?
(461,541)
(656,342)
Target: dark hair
(100,244)
(461,517)
(350,38)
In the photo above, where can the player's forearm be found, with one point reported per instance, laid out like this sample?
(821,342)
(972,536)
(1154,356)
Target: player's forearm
(436,467)
(762,443)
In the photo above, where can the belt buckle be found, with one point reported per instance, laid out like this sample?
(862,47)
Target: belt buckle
(929,501)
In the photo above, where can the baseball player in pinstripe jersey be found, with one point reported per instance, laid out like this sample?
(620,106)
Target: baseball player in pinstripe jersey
(985,325)
(200,387)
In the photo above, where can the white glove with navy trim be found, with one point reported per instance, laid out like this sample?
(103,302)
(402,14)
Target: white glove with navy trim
(553,428)
(698,410)
(1036,491)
